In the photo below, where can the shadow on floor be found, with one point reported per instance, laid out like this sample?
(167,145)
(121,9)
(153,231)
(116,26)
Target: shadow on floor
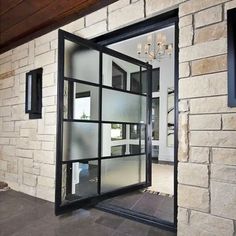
(23,215)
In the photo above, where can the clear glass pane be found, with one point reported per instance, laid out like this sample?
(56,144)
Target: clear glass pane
(79,180)
(81,101)
(118,150)
(81,62)
(121,172)
(117,73)
(155,151)
(138,81)
(155,118)
(80,140)
(124,107)
(117,139)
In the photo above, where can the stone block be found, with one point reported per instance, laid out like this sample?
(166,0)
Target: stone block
(209,65)
(193,198)
(42,48)
(210,105)
(186,36)
(213,138)
(96,16)
(117,5)
(48,146)
(202,50)
(185,21)
(203,86)
(183,137)
(93,30)
(45,193)
(193,6)
(123,17)
(45,59)
(223,173)
(44,156)
(193,174)
(229,121)
(46,38)
(223,199)
(206,224)
(225,156)
(73,26)
(47,170)
(183,215)
(45,181)
(210,33)
(49,80)
(29,179)
(24,153)
(205,122)
(183,106)
(159,6)
(3,165)
(184,70)
(208,16)
(50,118)
(199,154)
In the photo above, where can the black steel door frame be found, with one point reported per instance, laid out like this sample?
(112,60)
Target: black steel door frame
(59,207)
(155,23)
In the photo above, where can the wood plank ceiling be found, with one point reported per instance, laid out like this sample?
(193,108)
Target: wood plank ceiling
(22,20)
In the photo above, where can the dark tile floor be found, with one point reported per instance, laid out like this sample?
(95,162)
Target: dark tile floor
(159,206)
(22,215)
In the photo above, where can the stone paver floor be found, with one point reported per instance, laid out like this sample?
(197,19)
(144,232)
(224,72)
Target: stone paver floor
(23,215)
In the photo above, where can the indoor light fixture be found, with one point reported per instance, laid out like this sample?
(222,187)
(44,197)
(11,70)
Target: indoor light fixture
(155,48)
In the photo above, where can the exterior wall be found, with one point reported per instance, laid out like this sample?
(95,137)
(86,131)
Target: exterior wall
(207,130)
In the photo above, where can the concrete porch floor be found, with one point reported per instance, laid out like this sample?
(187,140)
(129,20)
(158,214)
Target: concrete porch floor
(23,215)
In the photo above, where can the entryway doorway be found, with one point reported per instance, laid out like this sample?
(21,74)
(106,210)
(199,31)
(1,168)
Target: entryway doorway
(117,123)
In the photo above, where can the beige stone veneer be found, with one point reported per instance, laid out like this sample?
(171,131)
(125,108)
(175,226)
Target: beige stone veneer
(207,127)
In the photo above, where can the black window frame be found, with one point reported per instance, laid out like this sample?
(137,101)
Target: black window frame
(35,112)
(231,31)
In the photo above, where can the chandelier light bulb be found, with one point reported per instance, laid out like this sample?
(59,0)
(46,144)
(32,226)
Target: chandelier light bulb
(139,48)
(149,39)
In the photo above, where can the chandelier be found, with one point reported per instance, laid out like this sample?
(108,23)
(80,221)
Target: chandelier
(155,48)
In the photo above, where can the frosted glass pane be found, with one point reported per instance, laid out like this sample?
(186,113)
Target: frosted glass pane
(80,140)
(81,62)
(79,180)
(124,107)
(121,172)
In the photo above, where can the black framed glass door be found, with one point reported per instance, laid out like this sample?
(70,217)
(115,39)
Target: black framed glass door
(97,154)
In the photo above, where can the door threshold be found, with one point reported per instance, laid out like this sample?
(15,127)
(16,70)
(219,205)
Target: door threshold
(136,216)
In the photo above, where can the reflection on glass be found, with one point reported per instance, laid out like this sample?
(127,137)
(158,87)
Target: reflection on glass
(116,141)
(80,140)
(155,118)
(116,72)
(114,172)
(118,131)
(124,107)
(84,101)
(77,59)
(155,151)
(118,150)
(79,180)
(170,117)
(134,131)
(119,77)
(138,81)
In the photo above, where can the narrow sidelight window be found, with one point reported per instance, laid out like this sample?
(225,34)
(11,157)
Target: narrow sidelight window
(231,16)
(33,94)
